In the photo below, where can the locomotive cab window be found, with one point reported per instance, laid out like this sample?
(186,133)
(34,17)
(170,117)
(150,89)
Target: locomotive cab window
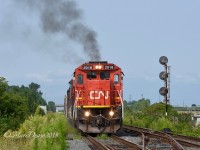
(70,84)
(91,75)
(116,78)
(104,75)
(80,79)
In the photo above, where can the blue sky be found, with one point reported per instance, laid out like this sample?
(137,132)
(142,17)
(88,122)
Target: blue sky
(131,34)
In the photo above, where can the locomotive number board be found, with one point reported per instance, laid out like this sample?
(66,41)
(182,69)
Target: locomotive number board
(108,67)
(87,67)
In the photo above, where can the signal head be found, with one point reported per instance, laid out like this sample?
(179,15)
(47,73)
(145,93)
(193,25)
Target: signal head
(163,75)
(163,91)
(163,60)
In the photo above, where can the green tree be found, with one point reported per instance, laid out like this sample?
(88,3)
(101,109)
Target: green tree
(39,111)
(34,97)
(140,104)
(51,106)
(13,108)
(125,104)
(31,94)
(3,86)
(17,103)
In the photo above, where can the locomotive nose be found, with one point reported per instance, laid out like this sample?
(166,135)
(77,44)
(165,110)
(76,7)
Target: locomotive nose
(99,121)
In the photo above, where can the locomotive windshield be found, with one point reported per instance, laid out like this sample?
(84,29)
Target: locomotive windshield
(104,75)
(91,75)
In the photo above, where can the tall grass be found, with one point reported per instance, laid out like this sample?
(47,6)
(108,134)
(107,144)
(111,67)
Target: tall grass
(161,123)
(39,133)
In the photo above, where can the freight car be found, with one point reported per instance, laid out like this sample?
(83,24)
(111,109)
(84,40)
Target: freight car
(94,100)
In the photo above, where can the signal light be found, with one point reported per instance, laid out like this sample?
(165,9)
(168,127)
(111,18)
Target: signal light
(163,91)
(163,60)
(163,75)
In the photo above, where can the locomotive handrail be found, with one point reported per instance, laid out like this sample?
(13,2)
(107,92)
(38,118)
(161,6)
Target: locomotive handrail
(122,104)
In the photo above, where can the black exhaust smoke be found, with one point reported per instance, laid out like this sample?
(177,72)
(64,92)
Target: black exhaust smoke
(63,16)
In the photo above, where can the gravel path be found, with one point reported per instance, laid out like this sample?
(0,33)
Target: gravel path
(81,144)
(78,144)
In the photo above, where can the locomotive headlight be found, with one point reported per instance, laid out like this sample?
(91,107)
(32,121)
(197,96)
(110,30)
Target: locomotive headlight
(87,114)
(111,113)
(98,67)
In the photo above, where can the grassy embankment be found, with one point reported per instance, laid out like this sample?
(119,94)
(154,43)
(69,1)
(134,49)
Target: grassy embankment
(38,132)
(177,127)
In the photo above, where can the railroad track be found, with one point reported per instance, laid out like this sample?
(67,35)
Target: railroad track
(194,139)
(177,141)
(167,140)
(187,143)
(129,145)
(95,144)
(122,144)
(149,140)
(187,140)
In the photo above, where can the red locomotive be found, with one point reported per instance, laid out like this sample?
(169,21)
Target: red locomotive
(94,100)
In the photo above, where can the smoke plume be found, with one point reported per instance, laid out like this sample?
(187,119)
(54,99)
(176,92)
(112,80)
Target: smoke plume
(63,16)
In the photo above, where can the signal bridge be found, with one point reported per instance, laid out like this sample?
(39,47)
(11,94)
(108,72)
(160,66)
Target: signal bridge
(59,105)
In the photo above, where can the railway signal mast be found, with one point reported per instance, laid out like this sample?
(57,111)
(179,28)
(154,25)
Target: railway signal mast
(165,76)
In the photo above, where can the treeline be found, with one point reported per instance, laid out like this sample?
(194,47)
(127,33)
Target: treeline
(137,105)
(142,113)
(17,103)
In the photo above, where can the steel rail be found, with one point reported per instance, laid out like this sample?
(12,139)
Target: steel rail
(127,143)
(97,145)
(156,134)
(179,136)
(186,140)
(187,143)
(110,147)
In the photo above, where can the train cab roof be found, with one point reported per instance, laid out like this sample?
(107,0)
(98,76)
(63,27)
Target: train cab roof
(98,65)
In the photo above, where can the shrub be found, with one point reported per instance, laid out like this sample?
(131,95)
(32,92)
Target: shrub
(38,133)
(39,111)
(161,123)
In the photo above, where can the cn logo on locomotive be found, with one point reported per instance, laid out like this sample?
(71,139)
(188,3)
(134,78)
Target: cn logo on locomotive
(98,94)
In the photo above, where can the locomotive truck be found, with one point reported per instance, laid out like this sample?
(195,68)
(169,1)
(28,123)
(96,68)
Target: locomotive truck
(94,99)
